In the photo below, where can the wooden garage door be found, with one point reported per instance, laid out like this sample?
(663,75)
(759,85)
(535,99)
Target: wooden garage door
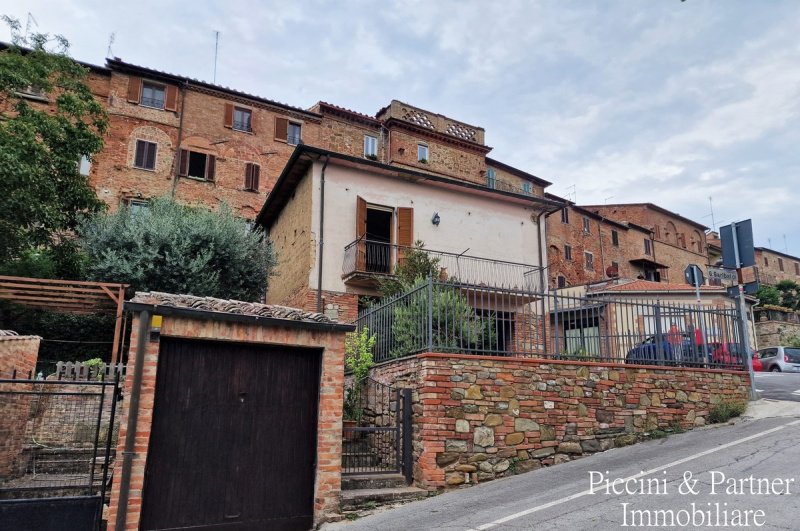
(233,441)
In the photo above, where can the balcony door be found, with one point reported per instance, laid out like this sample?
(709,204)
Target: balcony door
(378,228)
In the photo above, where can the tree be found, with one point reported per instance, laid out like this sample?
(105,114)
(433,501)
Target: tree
(768,295)
(790,294)
(178,249)
(416,263)
(42,140)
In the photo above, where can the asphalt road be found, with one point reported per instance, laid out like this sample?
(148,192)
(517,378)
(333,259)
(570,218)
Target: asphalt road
(778,385)
(690,473)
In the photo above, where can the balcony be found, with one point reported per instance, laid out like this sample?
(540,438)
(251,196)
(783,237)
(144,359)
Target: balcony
(367,261)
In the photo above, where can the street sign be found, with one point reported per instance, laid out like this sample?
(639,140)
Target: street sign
(694,275)
(722,274)
(738,249)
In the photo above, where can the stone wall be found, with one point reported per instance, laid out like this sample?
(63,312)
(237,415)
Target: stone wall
(16,353)
(775,328)
(477,418)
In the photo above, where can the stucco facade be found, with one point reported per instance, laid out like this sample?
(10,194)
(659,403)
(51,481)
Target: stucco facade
(479,222)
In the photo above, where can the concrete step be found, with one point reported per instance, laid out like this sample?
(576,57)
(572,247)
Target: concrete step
(373,481)
(361,498)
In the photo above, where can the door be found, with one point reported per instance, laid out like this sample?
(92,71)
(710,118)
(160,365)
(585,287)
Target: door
(233,439)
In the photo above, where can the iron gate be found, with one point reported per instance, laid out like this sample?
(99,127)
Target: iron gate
(377,429)
(56,454)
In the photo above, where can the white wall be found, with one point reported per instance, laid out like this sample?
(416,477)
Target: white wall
(489,227)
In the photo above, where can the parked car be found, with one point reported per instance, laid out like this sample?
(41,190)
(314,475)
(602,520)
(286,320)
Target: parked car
(780,359)
(729,354)
(672,352)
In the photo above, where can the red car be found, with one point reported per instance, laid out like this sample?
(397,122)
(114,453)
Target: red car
(730,355)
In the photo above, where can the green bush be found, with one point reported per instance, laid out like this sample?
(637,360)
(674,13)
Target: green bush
(725,411)
(455,325)
(179,249)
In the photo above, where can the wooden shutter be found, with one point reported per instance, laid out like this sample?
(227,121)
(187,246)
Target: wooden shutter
(361,234)
(248,176)
(405,231)
(183,162)
(282,129)
(171,98)
(228,115)
(211,166)
(251,175)
(256,176)
(134,89)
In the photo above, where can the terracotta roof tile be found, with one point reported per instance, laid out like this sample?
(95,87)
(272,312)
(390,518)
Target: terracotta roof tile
(212,304)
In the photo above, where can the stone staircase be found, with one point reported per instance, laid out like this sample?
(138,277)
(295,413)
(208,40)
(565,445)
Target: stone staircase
(375,482)
(366,491)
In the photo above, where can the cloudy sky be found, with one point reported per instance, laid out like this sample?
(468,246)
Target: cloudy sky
(613,101)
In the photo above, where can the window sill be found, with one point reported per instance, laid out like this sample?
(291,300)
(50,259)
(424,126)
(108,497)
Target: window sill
(198,179)
(249,190)
(245,131)
(151,170)
(151,107)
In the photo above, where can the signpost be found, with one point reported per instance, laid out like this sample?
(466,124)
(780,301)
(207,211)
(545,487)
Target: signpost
(722,274)
(738,251)
(694,276)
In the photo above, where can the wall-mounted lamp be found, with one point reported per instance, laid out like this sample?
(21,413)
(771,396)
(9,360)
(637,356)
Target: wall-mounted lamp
(436,219)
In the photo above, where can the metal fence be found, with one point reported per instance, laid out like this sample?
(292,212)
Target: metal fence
(368,256)
(376,433)
(58,437)
(457,317)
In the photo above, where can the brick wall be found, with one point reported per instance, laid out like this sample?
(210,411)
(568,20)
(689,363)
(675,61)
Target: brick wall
(331,395)
(443,158)
(295,246)
(677,244)
(20,353)
(598,241)
(477,418)
(347,137)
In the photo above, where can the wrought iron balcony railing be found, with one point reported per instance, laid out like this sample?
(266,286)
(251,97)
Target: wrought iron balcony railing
(368,258)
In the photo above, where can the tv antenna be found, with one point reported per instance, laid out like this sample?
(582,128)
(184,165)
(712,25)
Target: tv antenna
(216,50)
(711,206)
(110,42)
(31,21)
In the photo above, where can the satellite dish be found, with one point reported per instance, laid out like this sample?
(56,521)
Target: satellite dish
(612,271)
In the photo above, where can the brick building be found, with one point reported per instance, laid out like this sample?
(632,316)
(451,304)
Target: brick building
(662,255)
(774,266)
(585,247)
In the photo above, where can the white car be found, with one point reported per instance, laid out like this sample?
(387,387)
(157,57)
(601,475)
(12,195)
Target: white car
(780,359)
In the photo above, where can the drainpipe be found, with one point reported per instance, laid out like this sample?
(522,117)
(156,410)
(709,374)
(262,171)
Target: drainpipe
(133,419)
(321,232)
(177,163)
(542,277)
(600,239)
